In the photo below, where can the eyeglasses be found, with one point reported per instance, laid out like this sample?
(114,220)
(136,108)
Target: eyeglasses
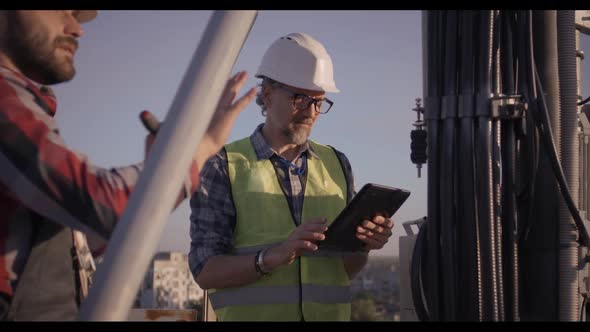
(302,102)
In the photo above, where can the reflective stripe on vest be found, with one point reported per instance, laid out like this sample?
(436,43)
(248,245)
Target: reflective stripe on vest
(314,287)
(319,253)
(280,295)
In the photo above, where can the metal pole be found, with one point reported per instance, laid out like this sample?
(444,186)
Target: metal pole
(138,233)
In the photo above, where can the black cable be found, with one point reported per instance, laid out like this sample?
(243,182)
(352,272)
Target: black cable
(531,164)
(419,255)
(530,55)
(509,213)
(583,308)
(448,167)
(466,244)
(542,124)
(547,136)
(535,169)
(527,157)
(526,59)
(584,101)
(432,118)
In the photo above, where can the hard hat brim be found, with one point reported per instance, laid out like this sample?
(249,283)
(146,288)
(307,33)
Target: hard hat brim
(325,88)
(84,16)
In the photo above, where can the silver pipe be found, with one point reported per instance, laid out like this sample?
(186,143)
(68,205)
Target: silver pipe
(569,305)
(137,235)
(549,70)
(490,185)
(587,171)
(582,176)
(586,182)
(497,160)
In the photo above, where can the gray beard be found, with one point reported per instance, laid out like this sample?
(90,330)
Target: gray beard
(297,137)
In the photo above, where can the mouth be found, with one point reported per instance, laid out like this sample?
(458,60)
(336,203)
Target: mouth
(71,49)
(304,123)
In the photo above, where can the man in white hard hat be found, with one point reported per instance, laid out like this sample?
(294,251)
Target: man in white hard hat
(265,201)
(48,190)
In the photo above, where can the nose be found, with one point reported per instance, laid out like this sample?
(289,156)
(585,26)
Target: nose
(315,109)
(73,27)
(311,110)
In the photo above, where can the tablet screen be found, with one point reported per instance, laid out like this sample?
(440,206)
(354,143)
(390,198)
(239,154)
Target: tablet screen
(371,200)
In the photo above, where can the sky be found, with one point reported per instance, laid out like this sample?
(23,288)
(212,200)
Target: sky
(129,61)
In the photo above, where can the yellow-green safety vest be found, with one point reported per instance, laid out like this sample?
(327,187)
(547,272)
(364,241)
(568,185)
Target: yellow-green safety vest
(313,287)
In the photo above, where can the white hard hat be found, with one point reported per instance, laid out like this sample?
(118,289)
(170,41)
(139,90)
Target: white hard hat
(299,60)
(84,16)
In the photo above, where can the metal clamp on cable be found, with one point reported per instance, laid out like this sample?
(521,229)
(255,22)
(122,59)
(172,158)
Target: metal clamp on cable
(507,106)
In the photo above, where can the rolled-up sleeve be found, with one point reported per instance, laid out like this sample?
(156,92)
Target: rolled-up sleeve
(213,214)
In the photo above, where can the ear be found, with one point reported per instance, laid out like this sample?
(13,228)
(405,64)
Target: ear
(265,93)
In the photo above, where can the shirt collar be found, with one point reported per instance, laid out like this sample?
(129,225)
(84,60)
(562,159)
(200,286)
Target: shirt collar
(263,149)
(43,92)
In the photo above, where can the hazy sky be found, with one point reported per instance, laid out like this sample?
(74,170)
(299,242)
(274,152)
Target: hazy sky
(129,61)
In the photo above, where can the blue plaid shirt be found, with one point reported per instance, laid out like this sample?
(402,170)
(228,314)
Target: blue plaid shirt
(213,213)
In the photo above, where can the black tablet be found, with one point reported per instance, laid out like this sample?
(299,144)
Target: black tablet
(371,200)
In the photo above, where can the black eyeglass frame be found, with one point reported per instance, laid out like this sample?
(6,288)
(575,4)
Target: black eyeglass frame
(308,103)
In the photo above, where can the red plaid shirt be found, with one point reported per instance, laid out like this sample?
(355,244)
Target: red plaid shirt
(40,176)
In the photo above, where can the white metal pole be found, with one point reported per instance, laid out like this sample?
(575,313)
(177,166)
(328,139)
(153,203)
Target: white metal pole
(137,235)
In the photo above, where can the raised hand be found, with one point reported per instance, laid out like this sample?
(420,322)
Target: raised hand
(224,118)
